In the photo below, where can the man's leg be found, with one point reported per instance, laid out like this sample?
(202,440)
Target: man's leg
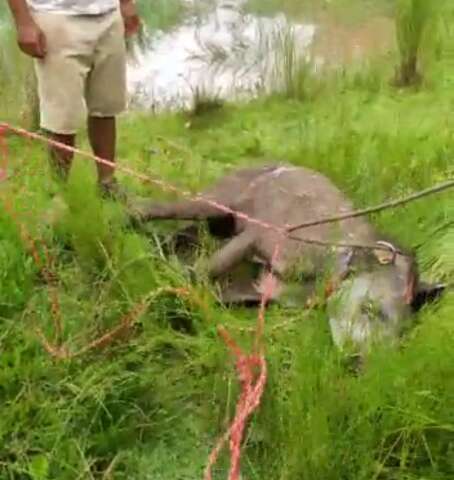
(106,96)
(61,159)
(61,79)
(102,133)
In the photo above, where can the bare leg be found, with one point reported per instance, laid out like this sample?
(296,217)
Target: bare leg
(60,159)
(103,136)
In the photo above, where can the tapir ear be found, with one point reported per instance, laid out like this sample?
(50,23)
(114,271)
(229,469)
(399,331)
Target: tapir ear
(426,293)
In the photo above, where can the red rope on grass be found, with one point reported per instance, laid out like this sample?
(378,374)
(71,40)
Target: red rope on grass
(163,185)
(251,368)
(252,376)
(167,187)
(3,154)
(44,262)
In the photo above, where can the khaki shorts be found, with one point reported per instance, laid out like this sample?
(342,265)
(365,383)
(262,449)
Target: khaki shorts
(84,71)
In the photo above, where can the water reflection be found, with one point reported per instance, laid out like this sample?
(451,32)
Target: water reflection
(224,53)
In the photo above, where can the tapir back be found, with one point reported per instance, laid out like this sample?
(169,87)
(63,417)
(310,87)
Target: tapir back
(291,195)
(230,189)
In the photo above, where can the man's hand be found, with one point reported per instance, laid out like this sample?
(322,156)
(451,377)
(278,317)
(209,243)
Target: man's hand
(31,39)
(130,17)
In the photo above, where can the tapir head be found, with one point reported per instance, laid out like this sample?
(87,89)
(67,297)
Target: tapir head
(377,293)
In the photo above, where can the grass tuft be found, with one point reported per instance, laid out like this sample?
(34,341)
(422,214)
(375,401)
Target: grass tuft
(413,18)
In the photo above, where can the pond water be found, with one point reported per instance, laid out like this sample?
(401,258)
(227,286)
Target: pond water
(227,53)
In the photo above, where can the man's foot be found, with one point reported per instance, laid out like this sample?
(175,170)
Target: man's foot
(112,190)
(136,206)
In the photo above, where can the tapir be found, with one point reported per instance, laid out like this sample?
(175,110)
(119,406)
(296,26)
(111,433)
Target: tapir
(373,287)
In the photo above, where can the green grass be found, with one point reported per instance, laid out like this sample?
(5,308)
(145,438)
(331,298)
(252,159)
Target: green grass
(14,67)
(414,19)
(152,406)
(160,14)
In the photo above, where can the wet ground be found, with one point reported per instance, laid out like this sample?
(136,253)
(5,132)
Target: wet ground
(341,43)
(221,51)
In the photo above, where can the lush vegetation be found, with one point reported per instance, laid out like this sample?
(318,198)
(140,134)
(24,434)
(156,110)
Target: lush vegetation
(152,404)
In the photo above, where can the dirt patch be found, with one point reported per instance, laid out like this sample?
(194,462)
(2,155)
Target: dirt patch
(339,43)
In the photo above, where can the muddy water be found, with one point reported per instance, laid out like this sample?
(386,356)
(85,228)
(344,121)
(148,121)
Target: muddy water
(225,53)
(338,43)
(228,54)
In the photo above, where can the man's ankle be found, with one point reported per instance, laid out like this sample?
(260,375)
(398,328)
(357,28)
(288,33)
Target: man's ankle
(60,158)
(110,188)
(107,182)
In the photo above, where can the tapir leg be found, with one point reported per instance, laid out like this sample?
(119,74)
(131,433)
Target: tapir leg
(184,243)
(241,293)
(182,210)
(231,254)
